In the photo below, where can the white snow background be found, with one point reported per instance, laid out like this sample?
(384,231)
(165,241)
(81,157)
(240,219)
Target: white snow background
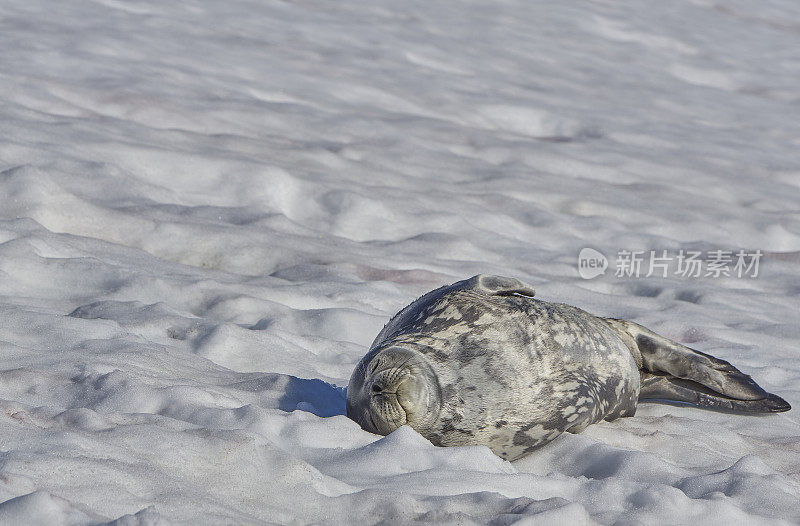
(209,210)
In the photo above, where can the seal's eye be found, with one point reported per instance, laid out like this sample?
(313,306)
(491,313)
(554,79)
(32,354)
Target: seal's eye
(376,388)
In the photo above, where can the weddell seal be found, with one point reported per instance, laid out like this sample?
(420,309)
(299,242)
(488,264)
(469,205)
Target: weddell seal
(481,362)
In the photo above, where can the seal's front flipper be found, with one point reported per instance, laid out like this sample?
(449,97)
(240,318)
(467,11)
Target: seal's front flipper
(498,286)
(671,371)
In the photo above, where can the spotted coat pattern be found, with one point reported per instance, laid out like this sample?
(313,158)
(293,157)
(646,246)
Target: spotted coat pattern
(513,372)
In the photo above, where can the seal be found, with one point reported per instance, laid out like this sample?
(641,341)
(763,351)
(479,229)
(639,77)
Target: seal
(481,362)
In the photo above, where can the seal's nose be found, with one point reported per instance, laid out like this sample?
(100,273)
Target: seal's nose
(385,382)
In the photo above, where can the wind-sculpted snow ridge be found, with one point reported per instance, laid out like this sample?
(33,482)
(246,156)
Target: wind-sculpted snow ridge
(210,209)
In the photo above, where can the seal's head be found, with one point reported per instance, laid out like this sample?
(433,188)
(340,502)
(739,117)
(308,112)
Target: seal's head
(393,386)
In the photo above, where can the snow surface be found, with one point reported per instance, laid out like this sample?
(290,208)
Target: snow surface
(209,209)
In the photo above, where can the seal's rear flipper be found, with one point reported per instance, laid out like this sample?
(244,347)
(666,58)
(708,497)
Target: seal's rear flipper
(671,371)
(671,389)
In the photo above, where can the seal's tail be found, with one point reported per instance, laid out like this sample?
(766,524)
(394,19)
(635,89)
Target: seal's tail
(672,372)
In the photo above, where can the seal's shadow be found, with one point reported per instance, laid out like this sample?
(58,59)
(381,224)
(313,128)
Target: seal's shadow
(313,395)
(290,393)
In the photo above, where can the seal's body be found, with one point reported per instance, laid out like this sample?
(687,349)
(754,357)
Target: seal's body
(483,362)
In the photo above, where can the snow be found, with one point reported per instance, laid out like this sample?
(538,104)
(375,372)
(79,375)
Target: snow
(210,209)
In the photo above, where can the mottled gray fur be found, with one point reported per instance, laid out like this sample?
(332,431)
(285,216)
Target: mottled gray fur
(483,362)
